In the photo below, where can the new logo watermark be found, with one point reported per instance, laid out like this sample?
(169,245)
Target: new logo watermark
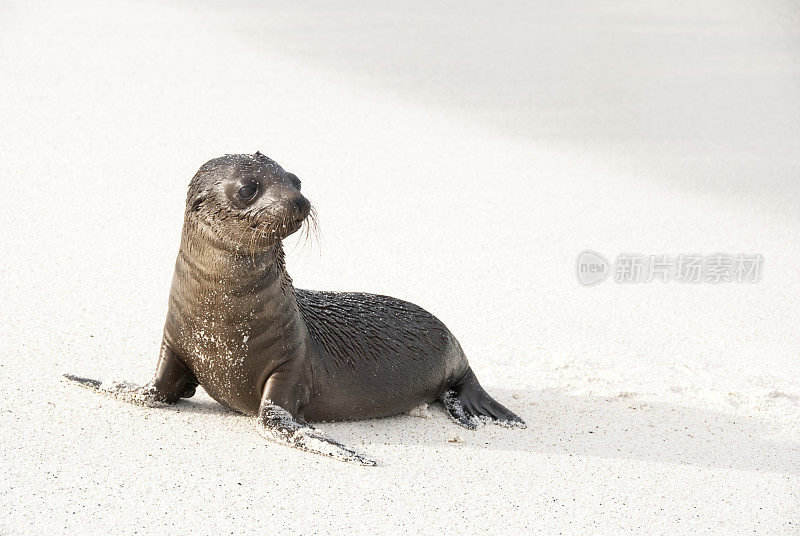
(592,268)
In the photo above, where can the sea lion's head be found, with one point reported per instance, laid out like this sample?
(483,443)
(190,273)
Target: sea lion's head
(247,200)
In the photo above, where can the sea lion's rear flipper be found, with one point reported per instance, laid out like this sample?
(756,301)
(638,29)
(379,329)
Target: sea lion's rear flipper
(172,382)
(469,405)
(278,425)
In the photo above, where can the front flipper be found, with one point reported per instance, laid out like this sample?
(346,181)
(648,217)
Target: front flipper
(140,395)
(278,425)
(279,418)
(173,381)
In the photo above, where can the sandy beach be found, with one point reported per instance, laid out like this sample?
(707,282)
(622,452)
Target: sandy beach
(460,156)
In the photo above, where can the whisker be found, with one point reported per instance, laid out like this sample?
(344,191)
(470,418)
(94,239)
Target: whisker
(315,229)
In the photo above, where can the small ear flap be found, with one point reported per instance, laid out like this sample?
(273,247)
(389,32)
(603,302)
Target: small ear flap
(258,155)
(195,197)
(196,202)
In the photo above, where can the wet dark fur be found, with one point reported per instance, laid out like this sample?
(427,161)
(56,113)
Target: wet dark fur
(363,338)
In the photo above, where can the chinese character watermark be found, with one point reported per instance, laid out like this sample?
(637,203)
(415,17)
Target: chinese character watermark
(593,268)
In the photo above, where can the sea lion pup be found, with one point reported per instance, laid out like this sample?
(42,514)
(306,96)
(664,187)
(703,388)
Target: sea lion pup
(237,327)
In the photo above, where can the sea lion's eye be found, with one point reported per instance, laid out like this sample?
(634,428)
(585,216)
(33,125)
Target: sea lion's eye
(248,191)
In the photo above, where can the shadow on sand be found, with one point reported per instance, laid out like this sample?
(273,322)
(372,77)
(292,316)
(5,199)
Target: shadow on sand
(559,424)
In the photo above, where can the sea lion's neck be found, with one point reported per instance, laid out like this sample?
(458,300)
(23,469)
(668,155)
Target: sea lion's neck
(248,291)
(235,268)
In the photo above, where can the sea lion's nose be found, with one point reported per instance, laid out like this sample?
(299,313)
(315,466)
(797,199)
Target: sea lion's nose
(300,207)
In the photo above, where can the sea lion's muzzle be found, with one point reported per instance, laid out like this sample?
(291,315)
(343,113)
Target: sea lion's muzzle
(300,208)
(293,211)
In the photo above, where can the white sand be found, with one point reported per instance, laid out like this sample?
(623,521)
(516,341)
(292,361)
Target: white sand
(461,158)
